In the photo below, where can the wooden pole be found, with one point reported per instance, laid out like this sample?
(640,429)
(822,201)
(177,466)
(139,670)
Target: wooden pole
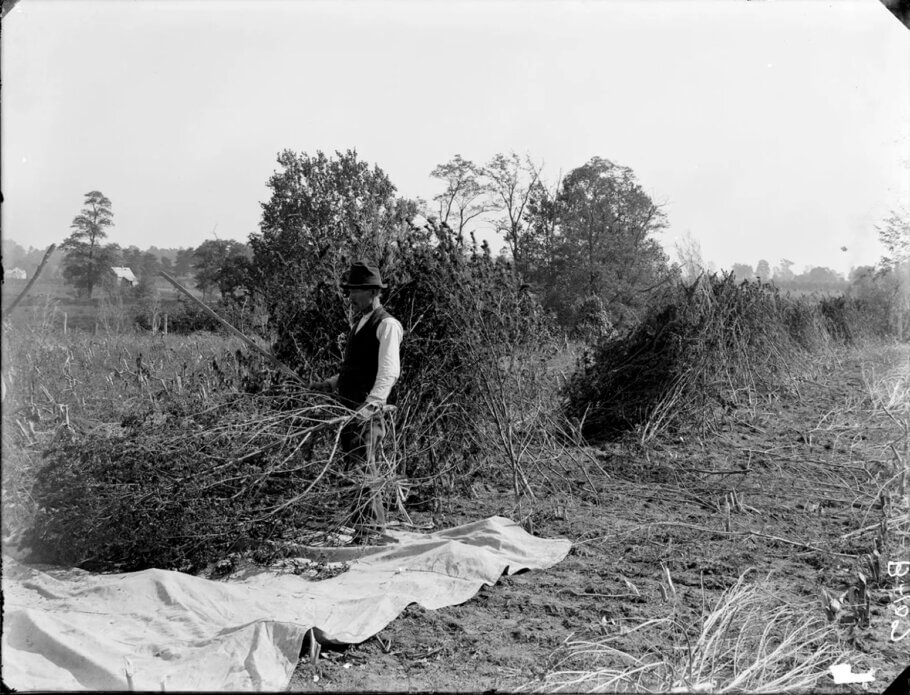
(165,324)
(64,323)
(15,302)
(211,312)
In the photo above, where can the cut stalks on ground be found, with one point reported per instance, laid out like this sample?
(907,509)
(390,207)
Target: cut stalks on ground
(752,640)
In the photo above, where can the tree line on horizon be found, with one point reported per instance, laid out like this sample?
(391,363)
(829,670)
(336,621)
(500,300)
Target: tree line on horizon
(586,244)
(182,263)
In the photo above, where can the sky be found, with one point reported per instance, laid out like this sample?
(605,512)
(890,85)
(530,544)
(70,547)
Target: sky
(766,129)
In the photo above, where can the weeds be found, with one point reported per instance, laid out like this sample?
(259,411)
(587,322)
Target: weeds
(751,640)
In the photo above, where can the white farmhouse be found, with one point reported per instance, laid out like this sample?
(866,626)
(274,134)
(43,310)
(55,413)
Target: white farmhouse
(125,274)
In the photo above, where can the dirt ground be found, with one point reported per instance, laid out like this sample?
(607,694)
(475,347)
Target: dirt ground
(804,486)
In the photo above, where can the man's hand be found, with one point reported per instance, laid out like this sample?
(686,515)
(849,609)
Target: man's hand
(367,410)
(319,386)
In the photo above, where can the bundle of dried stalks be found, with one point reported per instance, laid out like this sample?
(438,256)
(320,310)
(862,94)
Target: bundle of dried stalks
(180,486)
(703,346)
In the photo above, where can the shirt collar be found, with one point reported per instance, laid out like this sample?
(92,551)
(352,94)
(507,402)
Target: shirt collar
(364,317)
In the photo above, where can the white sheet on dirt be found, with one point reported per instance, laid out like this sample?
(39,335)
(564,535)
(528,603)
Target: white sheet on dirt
(66,629)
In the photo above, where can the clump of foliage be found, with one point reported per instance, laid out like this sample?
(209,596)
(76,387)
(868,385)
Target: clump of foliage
(700,346)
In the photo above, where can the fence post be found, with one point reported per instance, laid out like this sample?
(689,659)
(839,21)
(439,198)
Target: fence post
(64,323)
(165,324)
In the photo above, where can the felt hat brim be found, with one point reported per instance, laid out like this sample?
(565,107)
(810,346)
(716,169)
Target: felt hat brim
(371,286)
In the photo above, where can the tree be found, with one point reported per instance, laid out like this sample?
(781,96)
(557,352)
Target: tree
(763,270)
(235,279)
(894,234)
(606,247)
(688,251)
(540,252)
(509,181)
(783,272)
(216,262)
(822,278)
(894,266)
(13,254)
(183,262)
(743,271)
(86,261)
(131,257)
(146,268)
(322,214)
(464,197)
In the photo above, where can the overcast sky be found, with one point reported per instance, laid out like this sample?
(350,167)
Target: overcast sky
(767,129)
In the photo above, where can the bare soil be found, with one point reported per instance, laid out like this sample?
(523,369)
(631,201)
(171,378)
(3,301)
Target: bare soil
(804,486)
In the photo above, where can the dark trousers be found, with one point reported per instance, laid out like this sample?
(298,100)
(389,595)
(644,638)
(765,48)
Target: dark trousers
(360,442)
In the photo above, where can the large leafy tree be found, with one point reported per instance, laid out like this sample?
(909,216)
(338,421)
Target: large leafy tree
(606,246)
(323,213)
(218,264)
(87,260)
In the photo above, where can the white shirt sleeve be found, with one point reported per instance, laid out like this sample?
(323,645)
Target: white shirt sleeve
(389,333)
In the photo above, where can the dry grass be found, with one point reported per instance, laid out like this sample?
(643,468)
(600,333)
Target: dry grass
(752,640)
(55,384)
(890,389)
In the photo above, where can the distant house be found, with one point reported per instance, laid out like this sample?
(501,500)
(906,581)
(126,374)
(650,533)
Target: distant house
(16,274)
(125,275)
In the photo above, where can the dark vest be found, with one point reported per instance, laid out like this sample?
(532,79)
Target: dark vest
(361,361)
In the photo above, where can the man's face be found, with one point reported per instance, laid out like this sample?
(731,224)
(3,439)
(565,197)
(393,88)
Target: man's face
(361,300)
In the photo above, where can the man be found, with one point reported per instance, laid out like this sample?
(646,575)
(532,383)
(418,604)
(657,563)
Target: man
(368,372)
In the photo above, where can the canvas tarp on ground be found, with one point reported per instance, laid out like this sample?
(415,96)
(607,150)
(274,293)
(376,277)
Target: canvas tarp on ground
(66,629)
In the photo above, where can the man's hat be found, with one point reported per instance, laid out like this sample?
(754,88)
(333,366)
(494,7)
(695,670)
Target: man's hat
(362,277)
